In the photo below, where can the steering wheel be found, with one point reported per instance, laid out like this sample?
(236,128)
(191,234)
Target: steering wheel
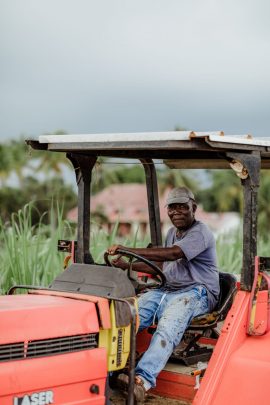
(157,274)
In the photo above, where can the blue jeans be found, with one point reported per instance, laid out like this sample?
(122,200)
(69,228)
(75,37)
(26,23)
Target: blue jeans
(173,311)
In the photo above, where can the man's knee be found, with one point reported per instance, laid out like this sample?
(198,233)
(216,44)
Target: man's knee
(175,319)
(171,330)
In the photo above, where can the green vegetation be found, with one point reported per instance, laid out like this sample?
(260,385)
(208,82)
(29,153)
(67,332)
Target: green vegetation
(224,193)
(42,193)
(36,177)
(28,252)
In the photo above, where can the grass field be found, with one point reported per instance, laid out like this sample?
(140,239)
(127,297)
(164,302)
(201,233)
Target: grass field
(28,253)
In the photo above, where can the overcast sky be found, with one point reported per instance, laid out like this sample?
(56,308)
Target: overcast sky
(142,65)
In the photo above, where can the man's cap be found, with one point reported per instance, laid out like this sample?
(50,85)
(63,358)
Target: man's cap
(180,195)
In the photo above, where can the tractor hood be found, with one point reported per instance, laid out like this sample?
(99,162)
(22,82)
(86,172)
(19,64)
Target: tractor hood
(35,317)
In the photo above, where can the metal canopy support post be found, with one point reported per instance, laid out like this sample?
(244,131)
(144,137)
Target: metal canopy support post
(153,201)
(83,166)
(252,164)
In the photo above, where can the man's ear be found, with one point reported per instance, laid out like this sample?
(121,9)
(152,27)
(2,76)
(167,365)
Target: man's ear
(194,207)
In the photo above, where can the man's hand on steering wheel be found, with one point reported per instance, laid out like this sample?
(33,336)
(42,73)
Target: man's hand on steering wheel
(151,267)
(112,250)
(119,262)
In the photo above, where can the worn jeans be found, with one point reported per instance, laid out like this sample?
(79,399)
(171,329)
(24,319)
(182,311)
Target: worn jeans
(173,311)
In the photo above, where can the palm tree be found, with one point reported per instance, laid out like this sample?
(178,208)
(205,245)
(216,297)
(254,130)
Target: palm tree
(51,162)
(170,178)
(19,157)
(5,163)
(224,194)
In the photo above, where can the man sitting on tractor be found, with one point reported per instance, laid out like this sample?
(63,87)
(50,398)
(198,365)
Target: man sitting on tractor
(188,261)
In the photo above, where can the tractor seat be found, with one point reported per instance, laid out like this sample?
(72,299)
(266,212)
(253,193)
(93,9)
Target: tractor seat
(189,351)
(227,283)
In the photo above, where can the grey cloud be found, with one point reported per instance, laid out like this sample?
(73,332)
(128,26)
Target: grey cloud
(94,66)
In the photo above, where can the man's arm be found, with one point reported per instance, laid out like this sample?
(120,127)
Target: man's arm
(156,254)
(136,266)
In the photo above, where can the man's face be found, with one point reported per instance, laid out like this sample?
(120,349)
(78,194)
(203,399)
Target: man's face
(182,215)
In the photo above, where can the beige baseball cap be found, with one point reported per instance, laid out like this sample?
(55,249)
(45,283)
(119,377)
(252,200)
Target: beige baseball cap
(179,195)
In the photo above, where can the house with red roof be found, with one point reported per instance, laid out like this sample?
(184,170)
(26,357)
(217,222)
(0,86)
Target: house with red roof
(126,205)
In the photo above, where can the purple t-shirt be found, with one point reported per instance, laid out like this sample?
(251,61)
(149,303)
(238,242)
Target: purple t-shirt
(199,266)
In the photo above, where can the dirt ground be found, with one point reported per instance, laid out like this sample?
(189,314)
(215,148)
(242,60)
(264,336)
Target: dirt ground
(151,399)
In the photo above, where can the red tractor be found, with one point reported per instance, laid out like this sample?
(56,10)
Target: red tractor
(64,344)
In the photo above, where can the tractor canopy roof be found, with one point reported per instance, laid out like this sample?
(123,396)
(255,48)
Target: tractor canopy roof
(191,149)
